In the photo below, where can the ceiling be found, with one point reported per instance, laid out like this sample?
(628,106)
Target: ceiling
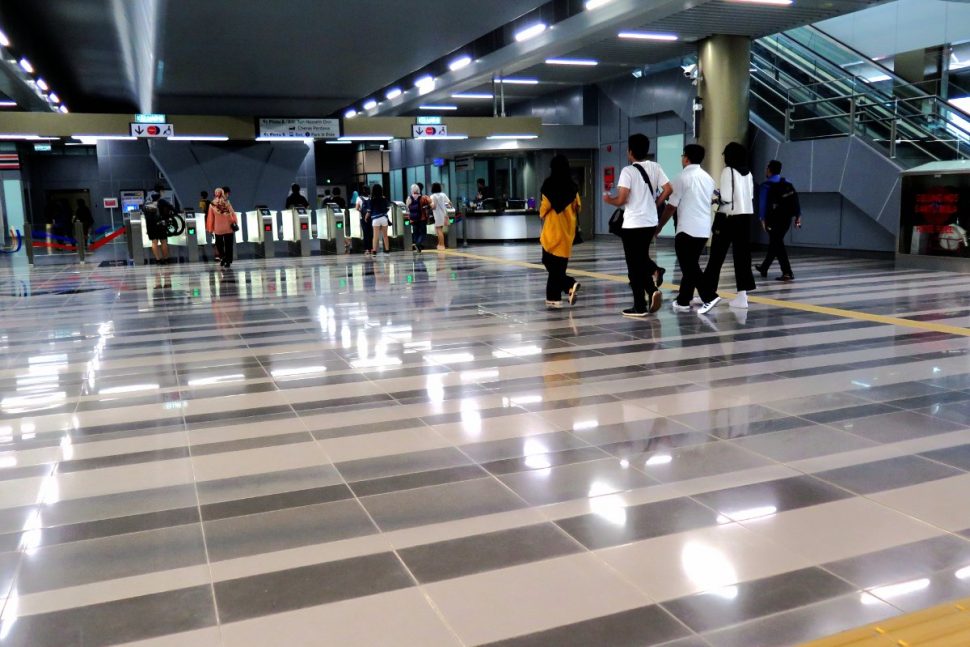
(313,58)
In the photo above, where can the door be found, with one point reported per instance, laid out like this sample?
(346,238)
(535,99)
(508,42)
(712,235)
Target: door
(582,172)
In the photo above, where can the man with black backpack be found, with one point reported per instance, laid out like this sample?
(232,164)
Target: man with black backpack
(777,207)
(157,212)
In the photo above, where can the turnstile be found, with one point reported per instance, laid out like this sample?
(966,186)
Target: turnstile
(192,235)
(336,231)
(267,220)
(451,232)
(401,223)
(136,227)
(296,231)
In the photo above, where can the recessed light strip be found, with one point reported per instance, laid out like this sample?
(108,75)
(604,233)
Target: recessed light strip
(438,107)
(472,95)
(586,62)
(530,32)
(646,35)
(512,137)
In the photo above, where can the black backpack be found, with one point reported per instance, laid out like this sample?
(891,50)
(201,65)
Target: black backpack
(782,201)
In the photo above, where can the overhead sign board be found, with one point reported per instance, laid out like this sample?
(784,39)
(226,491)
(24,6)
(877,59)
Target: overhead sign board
(300,128)
(429,120)
(152,131)
(464,164)
(425,132)
(149,119)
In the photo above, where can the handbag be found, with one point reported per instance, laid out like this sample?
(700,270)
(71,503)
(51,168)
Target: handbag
(616,220)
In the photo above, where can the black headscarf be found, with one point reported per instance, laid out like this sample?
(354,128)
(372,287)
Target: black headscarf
(736,156)
(559,187)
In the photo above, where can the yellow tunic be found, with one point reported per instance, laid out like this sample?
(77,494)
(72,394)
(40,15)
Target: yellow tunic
(558,229)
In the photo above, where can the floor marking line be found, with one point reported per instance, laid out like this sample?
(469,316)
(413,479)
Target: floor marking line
(778,303)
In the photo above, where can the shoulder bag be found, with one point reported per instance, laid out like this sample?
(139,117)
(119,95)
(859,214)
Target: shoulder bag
(616,220)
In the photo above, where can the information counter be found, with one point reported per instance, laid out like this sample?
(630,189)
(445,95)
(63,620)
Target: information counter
(507,226)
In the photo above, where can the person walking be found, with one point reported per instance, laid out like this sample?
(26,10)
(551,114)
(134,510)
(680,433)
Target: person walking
(732,224)
(83,215)
(362,204)
(157,211)
(637,192)
(377,209)
(777,206)
(222,222)
(417,214)
(558,209)
(693,191)
(440,203)
(295,199)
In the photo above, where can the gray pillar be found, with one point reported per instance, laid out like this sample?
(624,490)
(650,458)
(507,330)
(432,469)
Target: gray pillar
(725,63)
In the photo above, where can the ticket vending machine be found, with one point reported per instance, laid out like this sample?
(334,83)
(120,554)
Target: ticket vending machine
(299,240)
(268,228)
(335,228)
(192,235)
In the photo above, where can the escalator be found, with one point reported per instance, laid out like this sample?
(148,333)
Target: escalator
(807,85)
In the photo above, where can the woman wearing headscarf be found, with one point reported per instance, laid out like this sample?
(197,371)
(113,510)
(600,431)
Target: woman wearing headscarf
(558,210)
(732,224)
(221,221)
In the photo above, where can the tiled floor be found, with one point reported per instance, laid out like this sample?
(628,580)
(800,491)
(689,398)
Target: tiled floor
(414,451)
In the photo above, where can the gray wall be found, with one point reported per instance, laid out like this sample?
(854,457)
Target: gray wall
(257,173)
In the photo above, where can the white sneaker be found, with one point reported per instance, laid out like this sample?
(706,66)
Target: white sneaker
(554,304)
(676,307)
(740,301)
(697,301)
(707,307)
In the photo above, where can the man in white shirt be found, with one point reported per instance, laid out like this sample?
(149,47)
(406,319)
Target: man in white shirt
(638,192)
(693,191)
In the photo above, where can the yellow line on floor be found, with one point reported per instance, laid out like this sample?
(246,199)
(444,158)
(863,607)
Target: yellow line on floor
(778,303)
(947,625)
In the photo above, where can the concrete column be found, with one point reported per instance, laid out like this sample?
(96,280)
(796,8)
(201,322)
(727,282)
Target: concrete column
(724,86)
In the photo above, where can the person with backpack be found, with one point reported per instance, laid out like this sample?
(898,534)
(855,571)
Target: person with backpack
(361,202)
(637,193)
(157,211)
(378,208)
(418,206)
(777,207)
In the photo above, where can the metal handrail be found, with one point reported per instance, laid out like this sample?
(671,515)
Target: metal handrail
(781,112)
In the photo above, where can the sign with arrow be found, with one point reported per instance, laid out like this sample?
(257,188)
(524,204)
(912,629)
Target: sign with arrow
(152,131)
(427,132)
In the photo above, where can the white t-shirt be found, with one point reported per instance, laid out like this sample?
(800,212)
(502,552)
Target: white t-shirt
(740,194)
(693,190)
(441,203)
(640,209)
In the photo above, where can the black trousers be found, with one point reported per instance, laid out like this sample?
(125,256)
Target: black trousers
(367,232)
(225,245)
(733,232)
(558,282)
(639,266)
(689,251)
(418,231)
(776,247)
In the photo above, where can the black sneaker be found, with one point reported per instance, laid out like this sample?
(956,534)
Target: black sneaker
(630,312)
(761,271)
(660,276)
(787,278)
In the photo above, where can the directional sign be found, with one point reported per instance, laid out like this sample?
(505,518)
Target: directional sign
(300,128)
(422,132)
(152,131)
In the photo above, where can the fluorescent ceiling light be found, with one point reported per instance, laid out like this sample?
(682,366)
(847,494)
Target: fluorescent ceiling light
(338,141)
(520,81)
(27,67)
(530,32)
(596,4)
(460,62)
(512,137)
(646,35)
(370,104)
(425,84)
(107,137)
(8,104)
(4,40)
(393,93)
(438,107)
(779,3)
(42,84)
(54,98)
(455,137)
(587,62)
(198,138)
(18,136)
(63,109)
(472,95)
(350,114)
(277,138)
(366,138)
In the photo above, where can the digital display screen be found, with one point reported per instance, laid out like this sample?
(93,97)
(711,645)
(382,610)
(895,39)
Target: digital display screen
(935,216)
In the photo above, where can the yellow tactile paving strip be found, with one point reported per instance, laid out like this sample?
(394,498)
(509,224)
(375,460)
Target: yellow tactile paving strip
(778,303)
(947,625)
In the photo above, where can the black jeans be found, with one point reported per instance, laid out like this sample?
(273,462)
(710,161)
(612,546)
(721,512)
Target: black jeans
(733,232)
(776,247)
(418,231)
(639,266)
(689,250)
(558,282)
(225,244)
(367,232)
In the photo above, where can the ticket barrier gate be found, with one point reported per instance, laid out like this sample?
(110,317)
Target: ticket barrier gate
(298,232)
(336,232)
(268,226)
(136,229)
(451,233)
(401,226)
(192,235)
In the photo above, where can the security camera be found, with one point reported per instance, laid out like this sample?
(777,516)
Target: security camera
(690,71)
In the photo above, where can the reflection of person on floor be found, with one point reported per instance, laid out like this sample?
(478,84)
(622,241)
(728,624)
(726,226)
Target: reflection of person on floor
(83,215)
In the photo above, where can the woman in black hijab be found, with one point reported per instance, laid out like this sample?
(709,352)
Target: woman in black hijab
(558,211)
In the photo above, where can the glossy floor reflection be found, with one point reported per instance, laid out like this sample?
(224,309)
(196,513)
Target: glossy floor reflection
(413,450)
